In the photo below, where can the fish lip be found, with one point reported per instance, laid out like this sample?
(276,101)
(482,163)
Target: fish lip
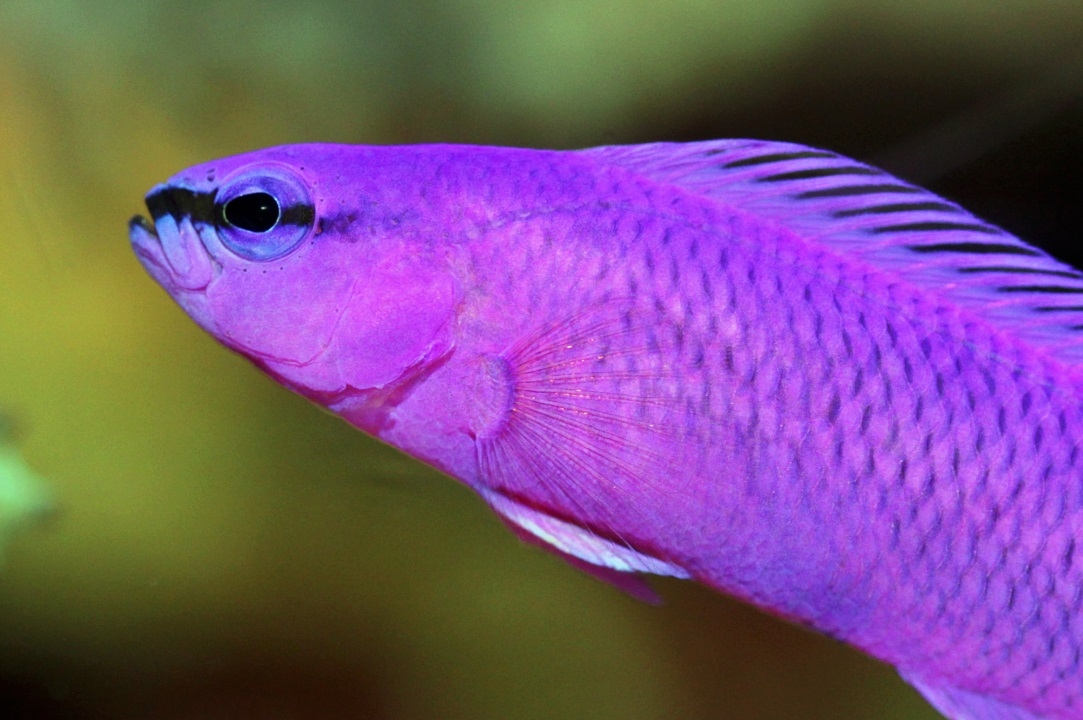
(146,225)
(147,245)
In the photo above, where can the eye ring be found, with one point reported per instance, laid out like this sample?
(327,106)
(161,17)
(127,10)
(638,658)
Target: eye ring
(263,212)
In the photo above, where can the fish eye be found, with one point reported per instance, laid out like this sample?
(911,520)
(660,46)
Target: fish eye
(255,212)
(263,212)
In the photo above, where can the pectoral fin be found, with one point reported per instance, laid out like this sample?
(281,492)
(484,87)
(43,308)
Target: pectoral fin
(579,439)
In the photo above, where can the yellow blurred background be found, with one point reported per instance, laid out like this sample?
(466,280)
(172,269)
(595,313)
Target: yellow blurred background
(225,550)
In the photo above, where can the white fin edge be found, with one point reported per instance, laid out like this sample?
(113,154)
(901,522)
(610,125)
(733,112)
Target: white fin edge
(578,542)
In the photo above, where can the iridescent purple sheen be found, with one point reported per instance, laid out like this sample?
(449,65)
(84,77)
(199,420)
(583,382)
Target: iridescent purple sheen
(774,370)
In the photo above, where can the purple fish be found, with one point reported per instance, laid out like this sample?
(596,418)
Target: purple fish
(779,372)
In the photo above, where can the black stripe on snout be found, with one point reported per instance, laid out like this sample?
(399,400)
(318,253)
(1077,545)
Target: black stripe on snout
(181,203)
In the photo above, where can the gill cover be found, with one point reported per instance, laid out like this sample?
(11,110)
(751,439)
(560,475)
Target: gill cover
(322,310)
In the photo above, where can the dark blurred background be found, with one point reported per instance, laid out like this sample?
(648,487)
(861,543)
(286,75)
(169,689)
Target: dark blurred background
(225,550)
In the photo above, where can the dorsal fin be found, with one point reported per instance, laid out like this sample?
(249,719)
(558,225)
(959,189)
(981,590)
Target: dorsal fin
(898,227)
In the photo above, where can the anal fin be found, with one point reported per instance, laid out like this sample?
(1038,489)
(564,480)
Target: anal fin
(958,704)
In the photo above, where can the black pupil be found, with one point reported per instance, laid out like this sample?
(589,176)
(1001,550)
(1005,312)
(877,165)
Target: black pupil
(255,212)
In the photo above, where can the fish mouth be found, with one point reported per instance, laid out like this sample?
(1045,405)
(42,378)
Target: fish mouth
(146,243)
(145,224)
(169,257)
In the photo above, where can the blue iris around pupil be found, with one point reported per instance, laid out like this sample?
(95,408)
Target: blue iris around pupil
(255,212)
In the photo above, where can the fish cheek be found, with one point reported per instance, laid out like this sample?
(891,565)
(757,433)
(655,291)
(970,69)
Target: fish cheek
(280,312)
(396,319)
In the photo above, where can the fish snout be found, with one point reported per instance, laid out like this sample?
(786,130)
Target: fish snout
(181,203)
(169,244)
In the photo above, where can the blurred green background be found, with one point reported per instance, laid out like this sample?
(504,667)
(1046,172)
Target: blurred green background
(225,550)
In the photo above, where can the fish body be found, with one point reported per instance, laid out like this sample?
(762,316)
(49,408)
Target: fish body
(768,368)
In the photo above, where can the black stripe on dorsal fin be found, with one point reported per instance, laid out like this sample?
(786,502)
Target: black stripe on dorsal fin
(774,158)
(866,213)
(898,207)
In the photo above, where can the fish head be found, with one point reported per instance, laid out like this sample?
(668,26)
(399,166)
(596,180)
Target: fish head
(317,262)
